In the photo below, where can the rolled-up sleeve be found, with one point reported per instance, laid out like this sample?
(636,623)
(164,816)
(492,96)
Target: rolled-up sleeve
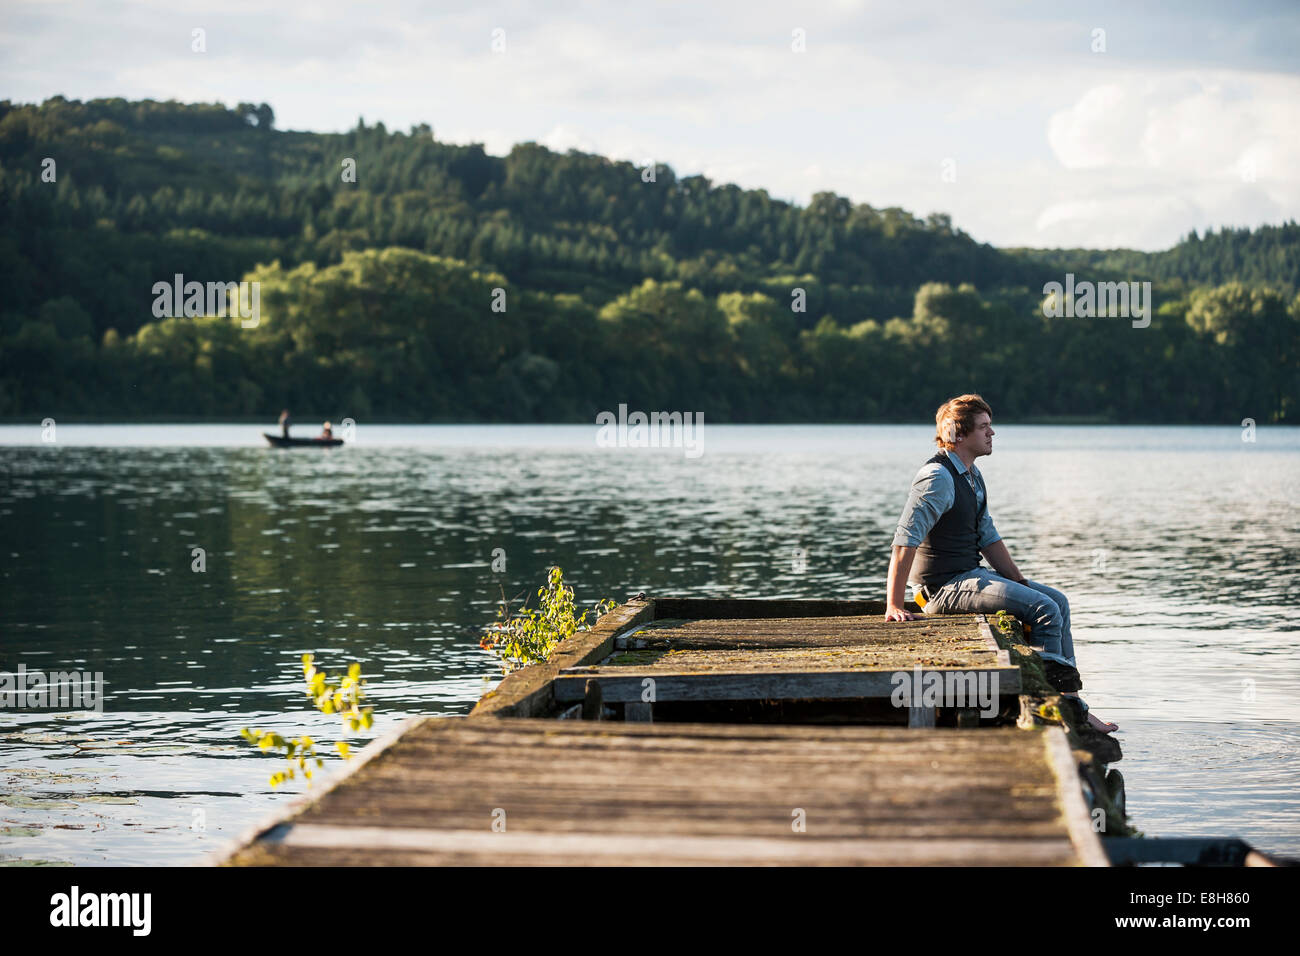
(931,495)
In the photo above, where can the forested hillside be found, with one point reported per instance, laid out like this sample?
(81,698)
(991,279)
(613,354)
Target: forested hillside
(379,255)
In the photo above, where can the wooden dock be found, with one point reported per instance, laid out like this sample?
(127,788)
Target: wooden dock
(672,780)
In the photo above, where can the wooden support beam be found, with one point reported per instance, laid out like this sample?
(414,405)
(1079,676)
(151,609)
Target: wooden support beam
(639,711)
(593,701)
(624,684)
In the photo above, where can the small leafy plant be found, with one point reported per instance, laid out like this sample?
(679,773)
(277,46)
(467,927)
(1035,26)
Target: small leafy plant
(528,635)
(343,698)
(1005,620)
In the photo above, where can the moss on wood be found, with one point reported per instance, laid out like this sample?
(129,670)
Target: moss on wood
(1046,706)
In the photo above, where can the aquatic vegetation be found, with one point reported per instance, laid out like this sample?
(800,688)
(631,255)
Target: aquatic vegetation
(37,777)
(37,737)
(20,801)
(343,698)
(17,861)
(528,635)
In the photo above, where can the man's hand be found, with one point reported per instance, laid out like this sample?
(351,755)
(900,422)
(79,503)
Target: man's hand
(893,613)
(900,562)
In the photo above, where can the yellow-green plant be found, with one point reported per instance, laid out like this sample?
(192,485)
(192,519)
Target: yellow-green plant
(343,698)
(528,636)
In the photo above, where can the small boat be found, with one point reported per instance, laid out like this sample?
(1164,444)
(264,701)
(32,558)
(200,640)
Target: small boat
(279,441)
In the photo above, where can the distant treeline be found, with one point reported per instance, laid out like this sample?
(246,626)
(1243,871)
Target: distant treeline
(379,296)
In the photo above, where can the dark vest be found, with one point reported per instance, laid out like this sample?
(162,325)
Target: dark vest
(952,546)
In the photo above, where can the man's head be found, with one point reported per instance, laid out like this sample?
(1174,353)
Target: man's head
(965,422)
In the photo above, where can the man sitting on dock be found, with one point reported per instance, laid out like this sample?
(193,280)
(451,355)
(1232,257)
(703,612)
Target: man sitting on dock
(945,527)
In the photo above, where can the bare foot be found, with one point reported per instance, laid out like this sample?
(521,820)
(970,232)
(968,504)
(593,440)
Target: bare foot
(1096,723)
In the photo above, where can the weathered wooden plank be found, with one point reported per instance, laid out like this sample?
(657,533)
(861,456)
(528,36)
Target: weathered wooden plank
(803,632)
(1086,841)
(893,642)
(645,815)
(868,853)
(772,622)
(617,738)
(618,849)
(776,625)
(716,819)
(990,641)
(869,656)
(702,608)
(621,684)
(500,764)
(697,773)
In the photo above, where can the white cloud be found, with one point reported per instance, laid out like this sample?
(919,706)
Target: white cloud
(1105,128)
(1146,157)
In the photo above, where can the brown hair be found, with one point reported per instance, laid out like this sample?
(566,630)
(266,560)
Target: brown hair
(956,418)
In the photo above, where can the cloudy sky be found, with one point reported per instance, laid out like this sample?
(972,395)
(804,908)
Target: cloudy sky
(1056,124)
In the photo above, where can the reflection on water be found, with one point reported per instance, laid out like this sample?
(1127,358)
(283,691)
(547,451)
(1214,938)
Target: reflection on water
(1177,547)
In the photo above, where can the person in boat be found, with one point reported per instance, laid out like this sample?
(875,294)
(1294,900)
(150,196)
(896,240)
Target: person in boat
(945,527)
(327,431)
(285,421)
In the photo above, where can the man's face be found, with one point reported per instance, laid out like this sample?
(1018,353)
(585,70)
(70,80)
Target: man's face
(979,441)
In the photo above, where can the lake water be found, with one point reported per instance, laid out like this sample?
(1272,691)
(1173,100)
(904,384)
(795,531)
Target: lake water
(1179,548)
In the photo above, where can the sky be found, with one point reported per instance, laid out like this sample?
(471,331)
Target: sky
(1089,124)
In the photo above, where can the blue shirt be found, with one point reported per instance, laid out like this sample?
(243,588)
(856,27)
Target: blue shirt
(932,494)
